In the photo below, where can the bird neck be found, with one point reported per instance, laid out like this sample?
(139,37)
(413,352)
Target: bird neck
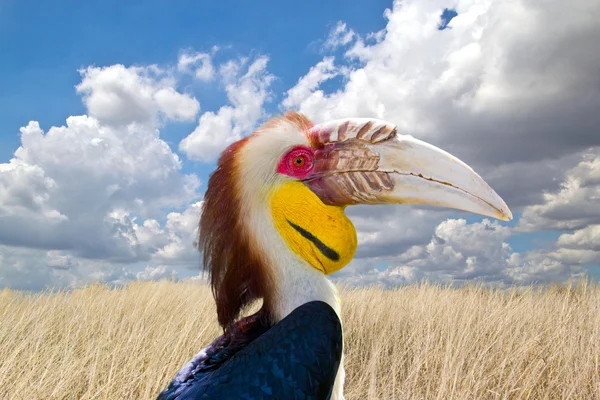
(299,283)
(295,281)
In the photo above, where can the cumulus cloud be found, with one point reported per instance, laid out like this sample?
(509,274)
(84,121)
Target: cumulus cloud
(543,267)
(510,88)
(587,238)
(307,84)
(247,85)
(577,203)
(60,260)
(156,273)
(388,230)
(524,183)
(77,175)
(339,36)
(71,195)
(574,207)
(86,201)
(25,190)
(32,269)
(25,269)
(498,87)
(172,243)
(165,248)
(122,95)
(460,252)
(198,64)
(182,233)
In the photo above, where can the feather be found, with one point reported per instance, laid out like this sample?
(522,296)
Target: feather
(298,358)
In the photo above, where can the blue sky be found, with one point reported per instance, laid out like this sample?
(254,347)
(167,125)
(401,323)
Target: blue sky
(480,88)
(44,45)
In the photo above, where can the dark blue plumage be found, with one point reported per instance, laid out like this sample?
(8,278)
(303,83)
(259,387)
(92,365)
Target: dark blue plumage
(297,358)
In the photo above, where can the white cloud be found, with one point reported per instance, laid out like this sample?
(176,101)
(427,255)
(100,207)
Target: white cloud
(176,106)
(542,267)
(75,191)
(164,248)
(498,87)
(524,183)
(247,92)
(182,232)
(463,251)
(32,269)
(574,207)
(307,84)
(81,201)
(388,230)
(174,242)
(587,238)
(23,268)
(198,64)
(122,95)
(577,203)
(60,260)
(170,244)
(511,89)
(339,36)
(459,252)
(25,190)
(500,90)
(156,273)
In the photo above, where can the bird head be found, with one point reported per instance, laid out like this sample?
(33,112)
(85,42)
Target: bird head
(277,199)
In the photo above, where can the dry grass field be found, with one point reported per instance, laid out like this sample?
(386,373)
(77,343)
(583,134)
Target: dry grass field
(417,342)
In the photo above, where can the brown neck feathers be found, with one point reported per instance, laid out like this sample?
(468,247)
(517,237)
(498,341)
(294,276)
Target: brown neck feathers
(237,273)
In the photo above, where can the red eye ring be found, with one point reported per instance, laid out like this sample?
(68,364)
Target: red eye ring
(297,163)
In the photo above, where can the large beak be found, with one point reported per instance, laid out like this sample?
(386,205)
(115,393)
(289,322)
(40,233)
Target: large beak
(365,161)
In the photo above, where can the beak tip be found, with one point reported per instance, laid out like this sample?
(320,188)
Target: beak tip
(505,215)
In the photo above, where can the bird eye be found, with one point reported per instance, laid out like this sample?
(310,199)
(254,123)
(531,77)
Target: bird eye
(300,161)
(297,163)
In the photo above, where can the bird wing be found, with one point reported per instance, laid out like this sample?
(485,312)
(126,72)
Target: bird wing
(298,358)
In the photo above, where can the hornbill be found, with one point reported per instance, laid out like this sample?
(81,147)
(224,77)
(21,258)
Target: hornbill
(273,226)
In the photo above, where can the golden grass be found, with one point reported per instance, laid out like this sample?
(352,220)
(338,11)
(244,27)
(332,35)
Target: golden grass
(417,342)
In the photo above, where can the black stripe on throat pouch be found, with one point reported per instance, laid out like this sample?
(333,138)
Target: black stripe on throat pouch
(322,247)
